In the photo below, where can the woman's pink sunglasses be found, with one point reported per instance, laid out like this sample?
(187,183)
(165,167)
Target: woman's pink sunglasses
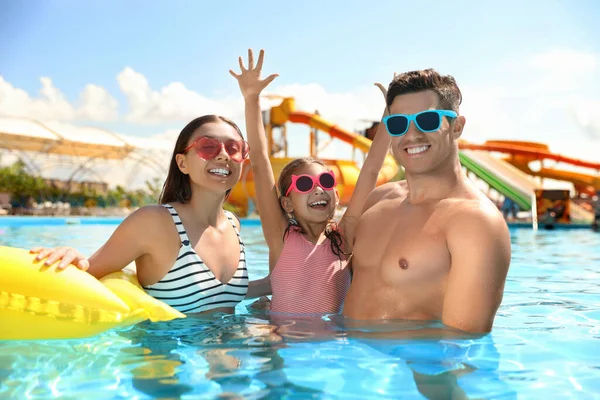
(208,148)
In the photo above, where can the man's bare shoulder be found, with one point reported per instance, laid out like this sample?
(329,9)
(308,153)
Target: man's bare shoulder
(474,216)
(387,191)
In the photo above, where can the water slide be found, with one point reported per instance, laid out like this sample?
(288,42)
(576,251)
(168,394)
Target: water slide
(501,176)
(346,171)
(512,176)
(511,182)
(520,154)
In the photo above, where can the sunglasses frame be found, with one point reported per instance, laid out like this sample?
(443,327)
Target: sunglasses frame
(244,155)
(316,181)
(413,118)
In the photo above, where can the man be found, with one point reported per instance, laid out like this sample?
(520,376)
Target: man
(432,247)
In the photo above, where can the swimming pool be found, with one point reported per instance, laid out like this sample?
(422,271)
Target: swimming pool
(545,343)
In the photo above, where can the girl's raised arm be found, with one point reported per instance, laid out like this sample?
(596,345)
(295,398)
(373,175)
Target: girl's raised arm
(272,216)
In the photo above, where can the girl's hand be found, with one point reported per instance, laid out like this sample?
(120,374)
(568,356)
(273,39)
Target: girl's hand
(249,79)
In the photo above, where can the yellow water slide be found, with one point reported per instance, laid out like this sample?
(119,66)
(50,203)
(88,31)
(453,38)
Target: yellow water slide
(346,171)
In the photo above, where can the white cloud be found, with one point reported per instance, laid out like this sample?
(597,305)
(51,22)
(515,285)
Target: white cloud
(565,62)
(95,103)
(562,71)
(173,102)
(486,114)
(544,100)
(170,136)
(51,104)
(586,114)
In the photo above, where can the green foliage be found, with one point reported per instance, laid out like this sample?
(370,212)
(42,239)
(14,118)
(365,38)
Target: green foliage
(15,180)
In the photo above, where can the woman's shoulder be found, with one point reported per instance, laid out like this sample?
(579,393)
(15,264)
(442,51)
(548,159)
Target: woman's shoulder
(149,216)
(152,211)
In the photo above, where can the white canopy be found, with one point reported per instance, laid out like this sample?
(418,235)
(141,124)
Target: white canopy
(66,151)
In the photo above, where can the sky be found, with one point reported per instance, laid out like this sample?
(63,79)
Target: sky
(527,70)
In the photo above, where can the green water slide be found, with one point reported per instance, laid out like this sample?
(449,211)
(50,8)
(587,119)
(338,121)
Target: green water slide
(501,176)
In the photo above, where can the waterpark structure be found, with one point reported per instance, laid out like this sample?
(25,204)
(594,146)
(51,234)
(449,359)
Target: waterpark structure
(514,169)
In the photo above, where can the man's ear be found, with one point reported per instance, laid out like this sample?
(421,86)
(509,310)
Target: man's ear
(458,126)
(286,204)
(181,163)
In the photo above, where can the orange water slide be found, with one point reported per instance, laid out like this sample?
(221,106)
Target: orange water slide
(521,153)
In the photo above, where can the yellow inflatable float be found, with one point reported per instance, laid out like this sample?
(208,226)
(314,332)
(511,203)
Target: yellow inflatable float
(38,302)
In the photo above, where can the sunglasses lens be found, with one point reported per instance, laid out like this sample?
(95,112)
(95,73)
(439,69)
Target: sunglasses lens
(397,125)
(236,150)
(245,148)
(207,148)
(327,181)
(304,184)
(428,121)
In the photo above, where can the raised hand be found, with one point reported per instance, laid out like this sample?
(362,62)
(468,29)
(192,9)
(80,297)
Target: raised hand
(249,79)
(384,92)
(67,255)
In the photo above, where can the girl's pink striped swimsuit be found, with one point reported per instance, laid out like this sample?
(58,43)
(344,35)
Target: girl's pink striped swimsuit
(308,278)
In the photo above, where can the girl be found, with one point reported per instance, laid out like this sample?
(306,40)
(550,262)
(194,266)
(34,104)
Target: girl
(187,251)
(308,253)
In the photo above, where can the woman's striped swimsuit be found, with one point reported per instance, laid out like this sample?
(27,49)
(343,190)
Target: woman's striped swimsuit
(190,286)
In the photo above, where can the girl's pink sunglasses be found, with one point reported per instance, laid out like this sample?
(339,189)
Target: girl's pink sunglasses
(305,183)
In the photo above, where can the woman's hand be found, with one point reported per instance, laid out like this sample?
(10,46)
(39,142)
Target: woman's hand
(67,255)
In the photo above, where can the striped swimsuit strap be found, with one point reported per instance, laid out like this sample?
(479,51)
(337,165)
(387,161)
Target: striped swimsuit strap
(185,240)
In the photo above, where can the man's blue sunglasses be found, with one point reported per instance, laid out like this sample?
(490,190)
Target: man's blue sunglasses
(426,121)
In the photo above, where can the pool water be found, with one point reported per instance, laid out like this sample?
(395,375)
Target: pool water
(545,343)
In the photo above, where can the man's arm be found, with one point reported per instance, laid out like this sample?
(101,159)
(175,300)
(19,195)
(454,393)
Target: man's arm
(479,245)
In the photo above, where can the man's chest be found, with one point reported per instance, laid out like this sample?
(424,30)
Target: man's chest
(407,246)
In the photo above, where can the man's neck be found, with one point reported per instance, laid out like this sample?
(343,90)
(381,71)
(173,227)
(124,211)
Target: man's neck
(435,185)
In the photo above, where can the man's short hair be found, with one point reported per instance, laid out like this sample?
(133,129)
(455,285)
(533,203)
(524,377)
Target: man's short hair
(444,86)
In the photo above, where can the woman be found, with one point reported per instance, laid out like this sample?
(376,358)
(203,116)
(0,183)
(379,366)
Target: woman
(187,250)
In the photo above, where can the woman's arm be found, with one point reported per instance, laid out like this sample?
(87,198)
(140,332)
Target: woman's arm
(129,241)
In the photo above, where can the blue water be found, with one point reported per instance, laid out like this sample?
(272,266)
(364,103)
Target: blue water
(545,343)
